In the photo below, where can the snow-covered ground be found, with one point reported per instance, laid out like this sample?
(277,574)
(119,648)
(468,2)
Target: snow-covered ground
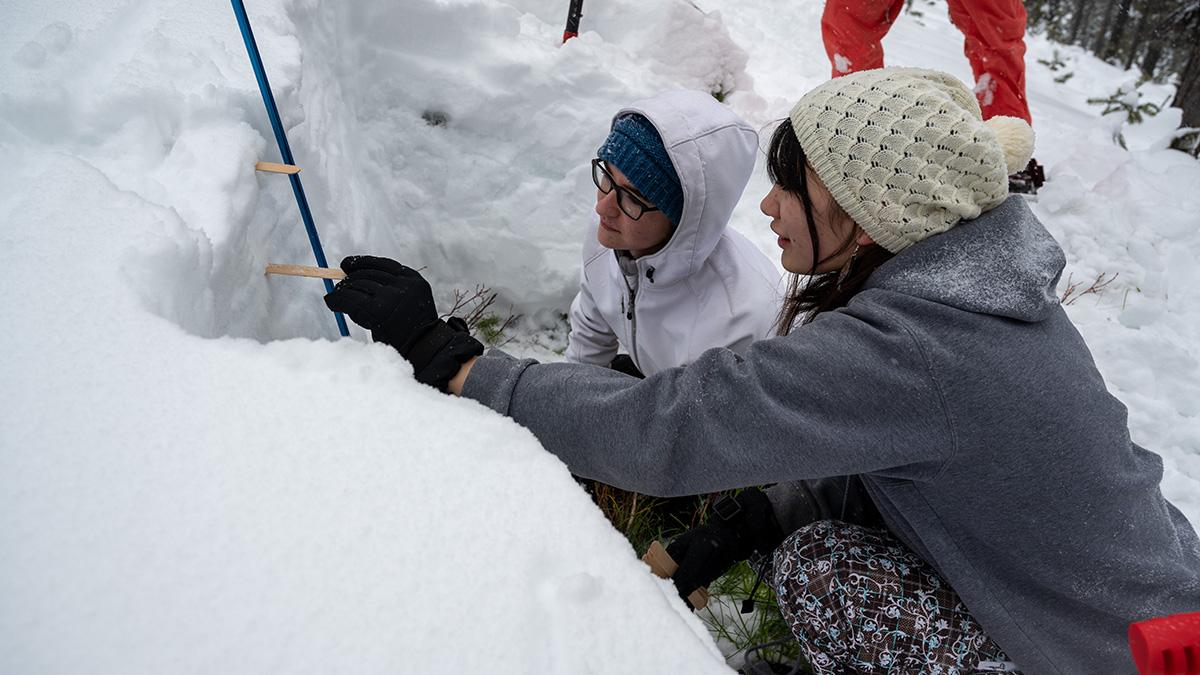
(195,475)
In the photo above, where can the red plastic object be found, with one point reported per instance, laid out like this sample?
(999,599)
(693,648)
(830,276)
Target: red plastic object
(1168,645)
(567,35)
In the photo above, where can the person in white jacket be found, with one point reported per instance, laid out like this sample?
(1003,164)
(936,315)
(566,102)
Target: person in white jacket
(663,278)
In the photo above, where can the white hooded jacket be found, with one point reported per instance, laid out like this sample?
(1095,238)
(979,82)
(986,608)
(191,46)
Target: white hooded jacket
(709,286)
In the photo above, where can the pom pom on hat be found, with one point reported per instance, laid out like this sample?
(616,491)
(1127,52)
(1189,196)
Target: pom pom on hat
(1016,137)
(905,151)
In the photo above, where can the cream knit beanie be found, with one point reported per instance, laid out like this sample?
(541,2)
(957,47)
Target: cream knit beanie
(906,152)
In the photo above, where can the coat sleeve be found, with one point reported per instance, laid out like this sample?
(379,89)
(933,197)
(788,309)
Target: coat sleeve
(849,393)
(591,340)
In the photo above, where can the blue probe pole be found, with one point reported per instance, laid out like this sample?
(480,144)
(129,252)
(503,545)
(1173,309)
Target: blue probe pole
(284,149)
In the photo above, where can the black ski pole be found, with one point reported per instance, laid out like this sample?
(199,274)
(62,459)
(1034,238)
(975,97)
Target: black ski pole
(573,16)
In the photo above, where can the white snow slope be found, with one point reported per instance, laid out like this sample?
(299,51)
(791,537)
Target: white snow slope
(196,476)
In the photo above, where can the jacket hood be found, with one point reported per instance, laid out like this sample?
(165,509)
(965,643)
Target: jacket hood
(1002,263)
(712,150)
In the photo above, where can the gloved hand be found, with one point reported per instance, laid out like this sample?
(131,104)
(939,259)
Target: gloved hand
(740,527)
(395,303)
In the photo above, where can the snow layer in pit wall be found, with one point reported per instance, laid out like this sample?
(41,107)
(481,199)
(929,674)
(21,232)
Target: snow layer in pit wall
(446,135)
(174,504)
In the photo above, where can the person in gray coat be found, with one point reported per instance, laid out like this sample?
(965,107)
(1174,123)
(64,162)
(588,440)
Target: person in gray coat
(924,352)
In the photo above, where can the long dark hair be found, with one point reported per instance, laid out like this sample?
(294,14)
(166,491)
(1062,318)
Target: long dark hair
(811,294)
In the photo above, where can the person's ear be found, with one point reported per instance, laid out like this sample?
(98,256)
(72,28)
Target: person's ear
(863,239)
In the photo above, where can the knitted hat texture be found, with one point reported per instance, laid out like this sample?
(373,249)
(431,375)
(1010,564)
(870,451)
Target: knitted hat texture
(635,148)
(906,153)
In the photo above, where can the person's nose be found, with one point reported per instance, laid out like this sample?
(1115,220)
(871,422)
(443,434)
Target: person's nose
(606,204)
(770,204)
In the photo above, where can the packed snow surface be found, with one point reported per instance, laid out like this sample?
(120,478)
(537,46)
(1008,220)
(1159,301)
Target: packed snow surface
(196,475)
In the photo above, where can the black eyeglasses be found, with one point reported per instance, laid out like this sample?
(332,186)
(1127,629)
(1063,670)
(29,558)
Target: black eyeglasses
(629,204)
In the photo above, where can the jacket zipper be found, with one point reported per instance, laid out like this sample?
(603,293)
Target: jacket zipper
(631,316)
(631,309)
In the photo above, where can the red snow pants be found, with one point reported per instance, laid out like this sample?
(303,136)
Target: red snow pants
(995,45)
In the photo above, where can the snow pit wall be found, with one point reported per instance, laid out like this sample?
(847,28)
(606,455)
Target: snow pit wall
(454,137)
(174,504)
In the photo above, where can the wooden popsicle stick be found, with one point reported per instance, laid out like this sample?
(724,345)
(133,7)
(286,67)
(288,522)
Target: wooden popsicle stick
(306,271)
(273,167)
(664,567)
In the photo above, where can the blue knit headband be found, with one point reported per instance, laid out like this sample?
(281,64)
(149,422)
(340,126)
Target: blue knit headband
(635,148)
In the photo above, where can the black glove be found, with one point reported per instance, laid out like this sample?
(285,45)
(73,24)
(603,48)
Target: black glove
(395,303)
(740,527)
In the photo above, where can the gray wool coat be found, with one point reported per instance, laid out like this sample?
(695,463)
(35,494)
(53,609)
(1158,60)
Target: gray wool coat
(956,387)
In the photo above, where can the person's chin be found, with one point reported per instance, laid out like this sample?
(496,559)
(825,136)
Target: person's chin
(609,239)
(791,265)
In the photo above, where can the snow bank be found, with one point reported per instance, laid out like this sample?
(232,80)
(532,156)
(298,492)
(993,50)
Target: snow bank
(170,503)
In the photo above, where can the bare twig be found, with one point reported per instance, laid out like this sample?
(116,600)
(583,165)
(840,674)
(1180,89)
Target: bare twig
(473,306)
(1073,292)
(475,302)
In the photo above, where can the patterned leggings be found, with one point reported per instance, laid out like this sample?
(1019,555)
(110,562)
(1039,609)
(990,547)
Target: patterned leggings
(858,600)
